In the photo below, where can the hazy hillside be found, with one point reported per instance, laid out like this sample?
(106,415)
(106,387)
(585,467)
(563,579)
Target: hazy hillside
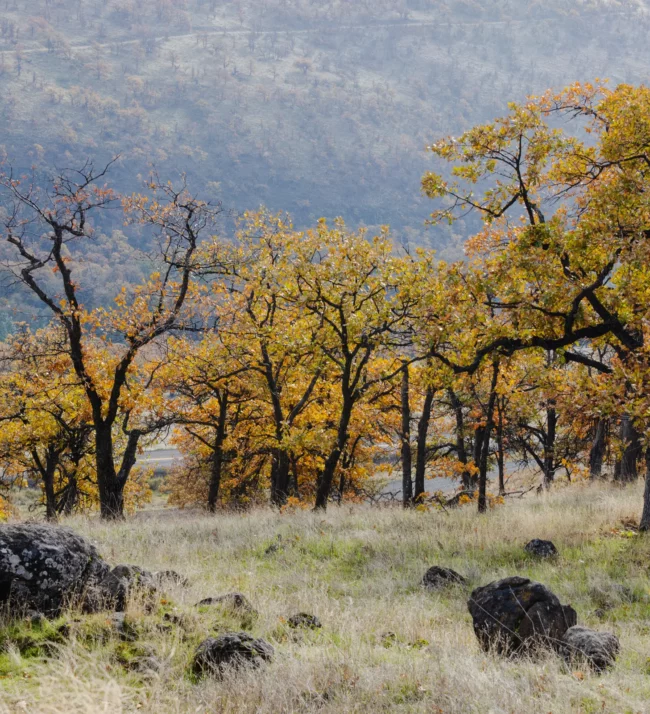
(318,107)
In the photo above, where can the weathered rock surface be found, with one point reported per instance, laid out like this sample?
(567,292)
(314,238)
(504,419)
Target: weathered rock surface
(541,548)
(438,577)
(46,568)
(115,588)
(230,601)
(598,648)
(165,577)
(304,620)
(233,649)
(517,615)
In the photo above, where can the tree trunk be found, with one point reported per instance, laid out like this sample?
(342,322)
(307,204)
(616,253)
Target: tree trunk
(217,455)
(500,450)
(50,496)
(327,474)
(485,450)
(280,476)
(407,483)
(421,447)
(549,445)
(645,516)
(111,498)
(461,453)
(597,452)
(627,470)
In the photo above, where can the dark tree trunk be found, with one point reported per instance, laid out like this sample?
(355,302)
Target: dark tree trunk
(500,449)
(627,470)
(485,450)
(50,496)
(111,498)
(326,476)
(645,516)
(598,448)
(461,452)
(549,445)
(280,476)
(407,483)
(421,447)
(217,454)
(477,450)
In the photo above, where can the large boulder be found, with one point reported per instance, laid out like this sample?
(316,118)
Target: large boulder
(46,568)
(233,649)
(517,615)
(438,577)
(598,648)
(541,548)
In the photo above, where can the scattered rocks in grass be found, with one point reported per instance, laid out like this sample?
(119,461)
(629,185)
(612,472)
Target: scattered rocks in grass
(233,649)
(46,568)
(516,615)
(541,548)
(235,602)
(438,577)
(305,621)
(598,648)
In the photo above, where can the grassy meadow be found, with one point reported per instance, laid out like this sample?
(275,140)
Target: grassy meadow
(386,645)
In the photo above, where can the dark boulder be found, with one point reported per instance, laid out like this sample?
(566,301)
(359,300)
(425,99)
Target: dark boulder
(117,586)
(598,648)
(234,649)
(46,568)
(517,615)
(541,548)
(437,577)
(304,620)
(235,602)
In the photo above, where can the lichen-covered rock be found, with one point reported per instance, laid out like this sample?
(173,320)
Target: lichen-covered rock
(598,648)
(233,649)
(304,620)
(517,615)
(115,588)
(46,568)
(438,577)
(235,602)
(541,548)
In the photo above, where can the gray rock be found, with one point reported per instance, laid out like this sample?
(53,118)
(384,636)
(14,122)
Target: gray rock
(233,649)
(518,615)
(164,577)
(598,648)
(541,548)
(46,568)
(122,582)
(304,620)
(236,602)
(437,577)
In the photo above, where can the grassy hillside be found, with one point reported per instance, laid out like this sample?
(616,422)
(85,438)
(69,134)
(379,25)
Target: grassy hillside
(358,570)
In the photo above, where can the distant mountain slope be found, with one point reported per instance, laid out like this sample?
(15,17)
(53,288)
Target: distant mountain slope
(317,107)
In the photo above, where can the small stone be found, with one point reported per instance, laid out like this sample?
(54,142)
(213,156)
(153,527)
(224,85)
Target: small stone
(304,620)
(236,602)
(438,577)
(163,577)
(233,649)
(541,548)
(598,648)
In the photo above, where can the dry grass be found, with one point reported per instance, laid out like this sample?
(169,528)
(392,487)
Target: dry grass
(359,570)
